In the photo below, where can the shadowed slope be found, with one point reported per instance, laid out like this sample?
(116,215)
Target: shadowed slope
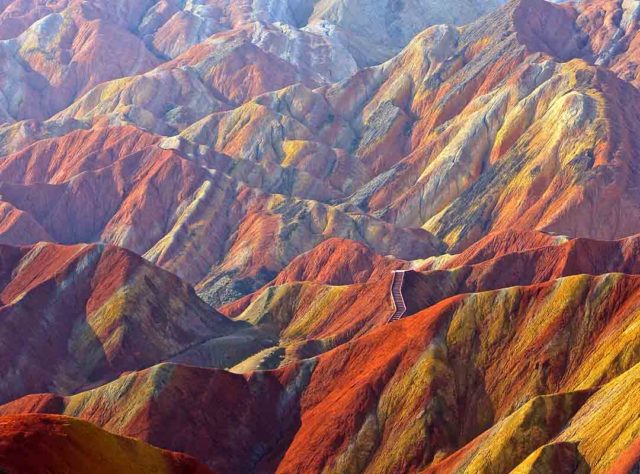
(571,429)
(232,422)
(83,314)
(41,444)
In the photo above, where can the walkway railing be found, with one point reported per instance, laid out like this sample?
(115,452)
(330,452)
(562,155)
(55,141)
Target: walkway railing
(396,296)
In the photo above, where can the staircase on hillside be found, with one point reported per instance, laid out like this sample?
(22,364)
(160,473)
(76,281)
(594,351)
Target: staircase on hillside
(396,296)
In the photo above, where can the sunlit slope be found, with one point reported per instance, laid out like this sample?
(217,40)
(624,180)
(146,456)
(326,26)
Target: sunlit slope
(408,394)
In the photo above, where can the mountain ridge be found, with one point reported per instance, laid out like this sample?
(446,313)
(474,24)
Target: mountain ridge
(210,210)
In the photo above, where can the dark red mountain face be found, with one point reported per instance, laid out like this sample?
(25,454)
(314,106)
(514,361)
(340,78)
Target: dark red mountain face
(319,236)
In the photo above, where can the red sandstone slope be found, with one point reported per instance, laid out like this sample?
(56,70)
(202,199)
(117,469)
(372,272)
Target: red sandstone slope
(116,185)
(323,298)
(82,315)
(58,160)
(44,444)
(338,262)
(503,124)
(408,394)
(335,262)
(309,315)
(454,134)
(494,245)
(414,132)
(525,267)
(357,406)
